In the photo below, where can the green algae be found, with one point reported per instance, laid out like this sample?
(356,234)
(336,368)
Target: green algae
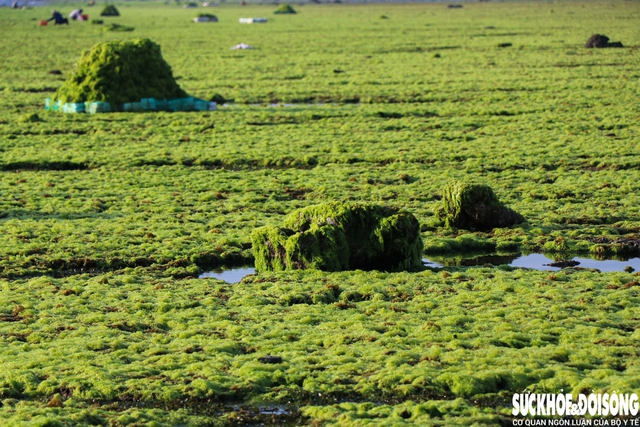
(423,343)
(151,192)
(475,206)
(340,236)
(118,72)
(434,412)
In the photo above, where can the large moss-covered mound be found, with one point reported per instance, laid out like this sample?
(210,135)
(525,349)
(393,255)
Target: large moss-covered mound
(110,10)
(285,8)
(475,207)
(119,72)
(340,236)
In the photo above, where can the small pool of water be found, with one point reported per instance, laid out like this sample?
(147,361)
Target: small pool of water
(232,275)
(535,261)
(274,410)
(284,104)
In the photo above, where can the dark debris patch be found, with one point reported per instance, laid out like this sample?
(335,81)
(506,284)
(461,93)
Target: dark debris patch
(270,359)
(44,165)
(563,263)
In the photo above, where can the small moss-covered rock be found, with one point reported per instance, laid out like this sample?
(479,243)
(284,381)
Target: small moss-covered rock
(119,72)
(598,40)
(207,15)
(340,236)
(475,207)
(285,8)
(110,10)
(218,99)
(30,118)
(116,27)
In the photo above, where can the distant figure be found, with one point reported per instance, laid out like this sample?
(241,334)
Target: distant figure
(76,15)
(14,5)
(92,2)
(58,18)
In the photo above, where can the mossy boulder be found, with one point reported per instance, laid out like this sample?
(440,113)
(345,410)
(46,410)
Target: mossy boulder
(598,40)
(110,10)
(119,72)
(218,99)
(285,8)
(30,118)
(340,236)
(475,207)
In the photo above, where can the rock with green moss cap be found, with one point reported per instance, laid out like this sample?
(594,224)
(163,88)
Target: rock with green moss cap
(340,236)
(110,10)
(475,207)
(285,8)
(29,118)
(118,72)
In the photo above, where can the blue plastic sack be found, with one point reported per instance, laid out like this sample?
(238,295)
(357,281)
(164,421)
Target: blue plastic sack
(148,104)
(97,107)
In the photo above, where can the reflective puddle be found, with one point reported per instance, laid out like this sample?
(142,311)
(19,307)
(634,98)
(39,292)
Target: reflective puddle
(232,275)
(535,261)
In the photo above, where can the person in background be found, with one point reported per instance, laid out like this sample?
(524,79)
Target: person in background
(76,15)
(58,18)
(15,5)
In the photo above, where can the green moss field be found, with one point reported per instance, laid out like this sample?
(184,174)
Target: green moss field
(107,220)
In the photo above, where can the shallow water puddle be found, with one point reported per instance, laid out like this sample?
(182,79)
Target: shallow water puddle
(285,104)
(537,262)
(232,275)
(274,410)
(534,261)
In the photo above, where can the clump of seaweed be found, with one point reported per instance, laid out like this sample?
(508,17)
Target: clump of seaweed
(30,118)
(285,8)
(475,207)
(209,16)
(110,10)
(218,99)
(340,236)
(120,71)
(117,28)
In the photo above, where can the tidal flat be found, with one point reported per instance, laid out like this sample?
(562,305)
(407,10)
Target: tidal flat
(109,219)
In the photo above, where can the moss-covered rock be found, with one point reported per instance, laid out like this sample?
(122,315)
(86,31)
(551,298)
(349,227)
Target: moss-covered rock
(30,118)
(285,8)
(475,207)
(340,236)
(218,99)
(110,10)
(119,72)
